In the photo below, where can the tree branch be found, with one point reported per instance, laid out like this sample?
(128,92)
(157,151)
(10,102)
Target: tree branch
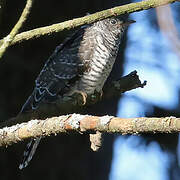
(85,123)
(125,83)
(120,10)
(74,103)
(5,43)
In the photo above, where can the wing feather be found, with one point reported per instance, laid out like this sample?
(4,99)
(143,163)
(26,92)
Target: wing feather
(61,68)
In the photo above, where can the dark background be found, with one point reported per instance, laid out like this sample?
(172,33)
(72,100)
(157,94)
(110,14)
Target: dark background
(64,156)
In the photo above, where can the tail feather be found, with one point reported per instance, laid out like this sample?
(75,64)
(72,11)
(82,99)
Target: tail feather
(29,152)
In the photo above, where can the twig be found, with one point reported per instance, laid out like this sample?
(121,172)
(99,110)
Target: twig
(9,38)
(85,123)
(96,140)
(126,83)
(129,8)
(168,27)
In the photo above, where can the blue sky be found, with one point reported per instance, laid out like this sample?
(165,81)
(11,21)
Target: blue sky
(150,53)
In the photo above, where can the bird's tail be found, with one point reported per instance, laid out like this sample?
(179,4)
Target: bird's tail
(29,152)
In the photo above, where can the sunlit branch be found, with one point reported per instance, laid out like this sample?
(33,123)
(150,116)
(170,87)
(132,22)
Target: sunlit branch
(85,123)
(5,43)
(120,10)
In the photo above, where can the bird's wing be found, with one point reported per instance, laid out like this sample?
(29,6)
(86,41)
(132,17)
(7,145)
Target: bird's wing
(62,67)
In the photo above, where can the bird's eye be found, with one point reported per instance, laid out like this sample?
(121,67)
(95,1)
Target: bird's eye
(113,21)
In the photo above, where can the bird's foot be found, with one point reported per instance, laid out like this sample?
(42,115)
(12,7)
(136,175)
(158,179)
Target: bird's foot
(81,97)
(97,96)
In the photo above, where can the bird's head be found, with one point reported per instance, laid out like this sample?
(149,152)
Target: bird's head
(115,26)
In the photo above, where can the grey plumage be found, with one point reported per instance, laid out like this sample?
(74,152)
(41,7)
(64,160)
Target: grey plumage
(83,62)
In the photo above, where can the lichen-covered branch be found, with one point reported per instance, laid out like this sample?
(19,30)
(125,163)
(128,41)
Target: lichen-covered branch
(86,123)
(128,8)
(9,38)
(74,103)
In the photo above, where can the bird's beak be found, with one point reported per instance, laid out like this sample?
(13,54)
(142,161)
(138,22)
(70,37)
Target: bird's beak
(127,23)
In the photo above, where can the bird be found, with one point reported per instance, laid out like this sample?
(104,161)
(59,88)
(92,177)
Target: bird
(81,63)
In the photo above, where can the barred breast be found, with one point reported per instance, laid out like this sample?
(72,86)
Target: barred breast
(103,58)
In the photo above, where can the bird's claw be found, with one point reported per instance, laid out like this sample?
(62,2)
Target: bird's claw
(97,96)
(82,96)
